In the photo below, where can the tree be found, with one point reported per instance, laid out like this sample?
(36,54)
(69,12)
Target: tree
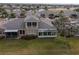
(23,12)
(70,30)
(12,15)
(61,11)
(64,27)
(22,15)
(37,7)
(46,8)
(77,10)
(3,13)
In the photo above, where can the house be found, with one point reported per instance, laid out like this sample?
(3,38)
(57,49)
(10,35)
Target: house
(14,27)
(31,25)
(46,28)
(41,13)
(75,24)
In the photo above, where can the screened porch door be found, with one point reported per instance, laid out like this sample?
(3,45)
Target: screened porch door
(11,34)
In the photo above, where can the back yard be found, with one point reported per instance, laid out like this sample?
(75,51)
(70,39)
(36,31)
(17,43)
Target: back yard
(59,45)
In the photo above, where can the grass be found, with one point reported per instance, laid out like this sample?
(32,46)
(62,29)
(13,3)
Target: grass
(59,45)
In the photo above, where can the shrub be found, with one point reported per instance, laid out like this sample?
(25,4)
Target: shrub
(77,10)
(29,37)
(2,37)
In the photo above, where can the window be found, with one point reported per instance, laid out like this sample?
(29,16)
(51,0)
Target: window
(0,32)
(45,33)
(34,24)
(14,33)
(43,15)
(73,15)
(51,16)
(40,33)
(49,33)
(53,33)
(56,16)
(28,24)
(22,32)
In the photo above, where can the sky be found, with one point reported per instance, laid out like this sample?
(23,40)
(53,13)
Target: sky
(42,1)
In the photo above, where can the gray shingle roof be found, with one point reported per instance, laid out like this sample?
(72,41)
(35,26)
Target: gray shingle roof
(45,23)
(18,23)
(15,23)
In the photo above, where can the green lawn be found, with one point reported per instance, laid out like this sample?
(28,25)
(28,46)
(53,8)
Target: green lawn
(59,45)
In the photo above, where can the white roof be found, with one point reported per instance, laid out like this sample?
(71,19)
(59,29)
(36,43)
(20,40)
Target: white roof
(41,10)
(73,22)
(11,30)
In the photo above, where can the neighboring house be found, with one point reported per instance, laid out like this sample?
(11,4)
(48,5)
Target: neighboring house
(41,13)
(31,25)
(17,12)
(75,24)
(30,12)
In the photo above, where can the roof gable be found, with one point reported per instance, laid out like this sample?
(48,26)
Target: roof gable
(31,18)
